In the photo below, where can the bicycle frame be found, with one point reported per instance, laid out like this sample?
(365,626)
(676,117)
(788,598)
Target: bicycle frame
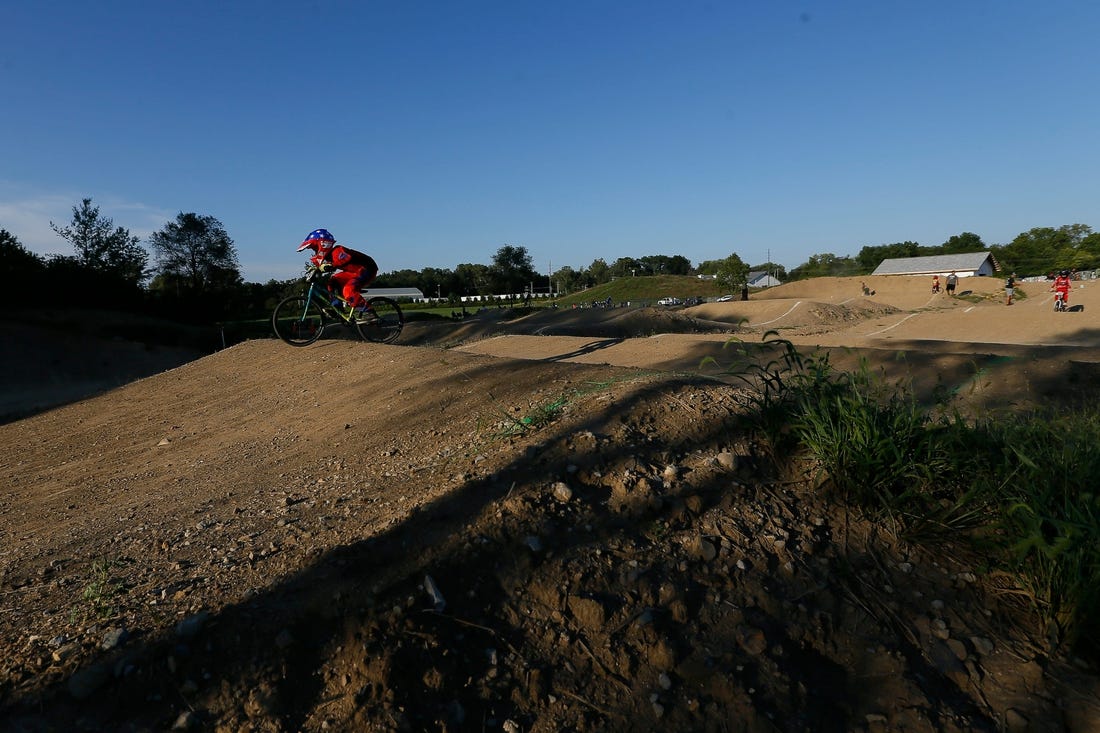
(323,297)
(300,320)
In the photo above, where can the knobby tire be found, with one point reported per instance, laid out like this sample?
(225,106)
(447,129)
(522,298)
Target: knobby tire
(298,320)
(389,324)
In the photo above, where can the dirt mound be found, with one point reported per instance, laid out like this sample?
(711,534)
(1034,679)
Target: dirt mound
(417,537)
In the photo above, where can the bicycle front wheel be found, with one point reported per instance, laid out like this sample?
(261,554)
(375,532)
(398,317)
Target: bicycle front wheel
(387,327)
(298,320)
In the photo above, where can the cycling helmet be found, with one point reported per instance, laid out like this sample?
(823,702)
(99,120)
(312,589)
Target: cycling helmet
(1064,273)
(318,240)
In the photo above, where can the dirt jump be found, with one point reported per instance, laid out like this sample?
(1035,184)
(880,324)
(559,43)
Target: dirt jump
(536,521)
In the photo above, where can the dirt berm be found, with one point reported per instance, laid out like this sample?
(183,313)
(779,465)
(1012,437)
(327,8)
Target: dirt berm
(435,535)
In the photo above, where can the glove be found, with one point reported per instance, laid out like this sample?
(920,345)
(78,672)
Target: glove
(325,267)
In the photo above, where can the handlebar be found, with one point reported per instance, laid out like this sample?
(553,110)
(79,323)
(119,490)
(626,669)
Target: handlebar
(313,272)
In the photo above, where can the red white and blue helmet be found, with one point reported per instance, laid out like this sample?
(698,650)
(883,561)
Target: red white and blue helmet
(318,240)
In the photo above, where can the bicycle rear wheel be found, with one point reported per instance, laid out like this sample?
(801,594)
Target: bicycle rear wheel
(298,320)
(387,327)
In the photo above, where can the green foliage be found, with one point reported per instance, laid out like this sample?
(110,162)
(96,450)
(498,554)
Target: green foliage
(1051,520)
(20,269)
(962,244)
(196,253)
(778,375)
(826,265)
(1016,488)
(644,290)
(98,598)
(512,270)
(775,270)
(102,247)
(732,273)
(1042,250)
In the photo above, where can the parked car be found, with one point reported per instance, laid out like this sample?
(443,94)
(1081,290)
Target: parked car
(724,299)
(668,301)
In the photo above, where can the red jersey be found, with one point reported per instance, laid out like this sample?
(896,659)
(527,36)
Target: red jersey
(345,258)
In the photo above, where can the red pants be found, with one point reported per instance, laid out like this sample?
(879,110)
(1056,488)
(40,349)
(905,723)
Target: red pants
(349,281)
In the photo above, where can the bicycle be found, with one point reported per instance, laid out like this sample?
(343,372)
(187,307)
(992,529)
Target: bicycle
(301,319)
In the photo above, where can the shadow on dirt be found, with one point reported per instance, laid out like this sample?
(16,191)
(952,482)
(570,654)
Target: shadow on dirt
(643,599)
(665,589)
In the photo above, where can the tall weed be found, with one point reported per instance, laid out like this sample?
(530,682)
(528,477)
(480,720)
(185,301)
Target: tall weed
(777,374)
(1050,521)
(1017,487)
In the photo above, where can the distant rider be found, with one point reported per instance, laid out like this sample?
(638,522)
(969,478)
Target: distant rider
(1063,284)
(355,269)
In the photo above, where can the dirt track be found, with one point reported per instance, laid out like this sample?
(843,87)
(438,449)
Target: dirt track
(243,542)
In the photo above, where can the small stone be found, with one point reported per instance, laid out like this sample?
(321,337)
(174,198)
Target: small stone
(192,625)
(64,652)
(705,549)
(562,492)
(114,638)
(752,640)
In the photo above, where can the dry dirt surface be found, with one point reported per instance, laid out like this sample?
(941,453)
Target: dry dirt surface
(541,522)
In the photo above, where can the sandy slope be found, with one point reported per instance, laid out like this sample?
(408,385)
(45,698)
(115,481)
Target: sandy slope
(266,517)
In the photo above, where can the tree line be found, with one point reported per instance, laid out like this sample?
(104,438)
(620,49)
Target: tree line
(190,271)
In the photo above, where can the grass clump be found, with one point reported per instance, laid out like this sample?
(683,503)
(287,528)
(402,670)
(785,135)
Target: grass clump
(100,594)
(1017,488)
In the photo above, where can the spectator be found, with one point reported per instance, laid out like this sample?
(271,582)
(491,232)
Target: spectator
(1010,287)
(952,280)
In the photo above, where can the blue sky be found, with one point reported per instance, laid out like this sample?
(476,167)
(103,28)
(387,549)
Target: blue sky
(430,134)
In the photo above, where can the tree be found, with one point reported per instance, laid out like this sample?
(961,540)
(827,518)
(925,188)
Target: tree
(627,267)
(777,271)
(20,268)
(1042,249)
(826,265)
(567,280)
(512,270)
(473,279)
(598,272)
(870,257)
(731,272)
(665,265)
(194,253)
(963,243)
(102,247)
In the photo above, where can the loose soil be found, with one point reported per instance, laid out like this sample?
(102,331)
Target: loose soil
(519,522)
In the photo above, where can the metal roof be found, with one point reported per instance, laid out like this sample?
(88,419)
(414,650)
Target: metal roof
(395,292)
(968,261)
